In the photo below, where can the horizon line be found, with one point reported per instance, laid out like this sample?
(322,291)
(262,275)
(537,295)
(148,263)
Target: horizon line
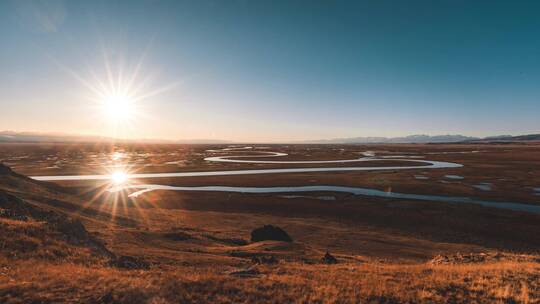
(94,138)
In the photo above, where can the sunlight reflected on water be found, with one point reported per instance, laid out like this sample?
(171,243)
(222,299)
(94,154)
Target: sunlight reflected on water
(119,177)
(117,156)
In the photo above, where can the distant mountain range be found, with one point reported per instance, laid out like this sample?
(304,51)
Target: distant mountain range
(528,137)
(12,136)
(418,139)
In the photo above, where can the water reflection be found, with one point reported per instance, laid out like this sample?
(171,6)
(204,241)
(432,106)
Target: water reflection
(117,156)
(119,177)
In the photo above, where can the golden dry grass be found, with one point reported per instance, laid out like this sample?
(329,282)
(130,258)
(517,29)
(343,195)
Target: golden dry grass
(501,282)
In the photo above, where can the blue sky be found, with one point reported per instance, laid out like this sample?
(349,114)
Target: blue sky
(273,70)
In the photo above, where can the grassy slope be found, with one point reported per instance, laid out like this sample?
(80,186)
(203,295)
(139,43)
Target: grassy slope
(39,264)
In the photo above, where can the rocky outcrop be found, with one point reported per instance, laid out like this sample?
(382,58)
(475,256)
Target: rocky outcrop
(329,259)
(270,233)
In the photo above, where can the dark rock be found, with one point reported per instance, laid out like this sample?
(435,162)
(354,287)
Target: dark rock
(128,262)
(329,259)
(270,233)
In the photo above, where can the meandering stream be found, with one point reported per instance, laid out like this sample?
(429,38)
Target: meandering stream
(366,157)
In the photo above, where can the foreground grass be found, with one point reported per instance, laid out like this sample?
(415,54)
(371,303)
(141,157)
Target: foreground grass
(501,282)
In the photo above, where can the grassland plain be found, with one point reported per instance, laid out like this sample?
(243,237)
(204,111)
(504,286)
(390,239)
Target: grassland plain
(73,242)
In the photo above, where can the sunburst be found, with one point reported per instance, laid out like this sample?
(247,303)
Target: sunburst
(118,107)
(117,96)
(119,177)
(119,93)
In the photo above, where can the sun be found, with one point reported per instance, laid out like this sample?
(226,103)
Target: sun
(118,107)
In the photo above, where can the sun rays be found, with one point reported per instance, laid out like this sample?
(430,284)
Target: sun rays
(117,102)
(118,92)
(119,178)
(110,197)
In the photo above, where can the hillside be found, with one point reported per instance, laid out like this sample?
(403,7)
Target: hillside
(58,246)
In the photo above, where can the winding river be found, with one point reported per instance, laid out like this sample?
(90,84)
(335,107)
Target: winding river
(366,157)
(426,164)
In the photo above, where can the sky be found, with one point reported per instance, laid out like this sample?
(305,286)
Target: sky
(270,70)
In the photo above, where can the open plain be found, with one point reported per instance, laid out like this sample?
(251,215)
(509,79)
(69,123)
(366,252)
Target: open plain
(164,246)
